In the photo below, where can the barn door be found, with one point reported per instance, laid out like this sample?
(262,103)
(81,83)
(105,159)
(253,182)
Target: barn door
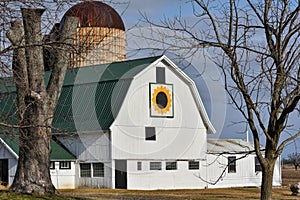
(4,171)
(121,174)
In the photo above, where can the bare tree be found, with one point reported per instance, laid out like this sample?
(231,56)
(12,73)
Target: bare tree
(35,101)
(294,159)
(256,44)
(31,52)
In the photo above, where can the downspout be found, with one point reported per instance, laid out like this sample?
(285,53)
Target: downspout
(110,157)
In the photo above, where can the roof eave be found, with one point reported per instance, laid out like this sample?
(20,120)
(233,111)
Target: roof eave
(9,149)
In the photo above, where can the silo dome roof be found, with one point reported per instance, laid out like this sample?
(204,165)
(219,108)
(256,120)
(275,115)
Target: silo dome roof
(96,14)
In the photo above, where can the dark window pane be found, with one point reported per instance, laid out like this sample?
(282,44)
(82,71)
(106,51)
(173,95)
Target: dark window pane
(155,165)
(171,165)
(139,166)
(64,165)
(231,164)
(150,133)
(98,169)
(193,165)
(257,165)
(85,170)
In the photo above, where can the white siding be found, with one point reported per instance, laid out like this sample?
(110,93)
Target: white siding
(91,147)
(245,175)
(12,162)
(63,178)
(181,178)
(180,137)
(97,182)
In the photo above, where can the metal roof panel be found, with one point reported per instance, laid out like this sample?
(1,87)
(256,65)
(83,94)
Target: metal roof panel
(58,152)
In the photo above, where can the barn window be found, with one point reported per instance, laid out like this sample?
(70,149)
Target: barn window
(64,165)
(139,166)
(85,170)
(257,165)
(98,169)
(52,165)
(193,165)
(171,165)
(160,75)
(155,165)
(231,164)
(150,133)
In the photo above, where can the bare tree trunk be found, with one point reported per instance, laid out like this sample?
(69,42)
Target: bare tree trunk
(33,173)
(264,77)
(267,182)
(36,102)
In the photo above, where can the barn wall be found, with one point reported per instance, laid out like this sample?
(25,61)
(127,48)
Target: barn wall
(63,178)
(245,175)
(90,147)
(180,137)
(146,179)
(12,162)
(96,182)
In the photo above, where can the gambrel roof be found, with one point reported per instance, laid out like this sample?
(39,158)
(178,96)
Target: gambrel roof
(92,96)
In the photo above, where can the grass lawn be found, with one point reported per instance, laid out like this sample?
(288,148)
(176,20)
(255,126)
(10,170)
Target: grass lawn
(202,194)
(109,194)
(289,176)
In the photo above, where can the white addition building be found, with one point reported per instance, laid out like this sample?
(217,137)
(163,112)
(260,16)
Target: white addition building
(136,124)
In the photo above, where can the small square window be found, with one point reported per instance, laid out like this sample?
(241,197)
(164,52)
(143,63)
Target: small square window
(193,165)
(231,164)
(85,170)
(64,165)
(150,133)
(52,165)
(171,165)
(139,166)
(155,165)
(98,169)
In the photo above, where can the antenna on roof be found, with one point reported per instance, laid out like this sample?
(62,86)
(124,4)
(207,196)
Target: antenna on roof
(247,136)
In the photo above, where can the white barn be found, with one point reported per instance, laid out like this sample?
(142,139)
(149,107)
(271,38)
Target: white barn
(138,124)
(62,162)
(233,163)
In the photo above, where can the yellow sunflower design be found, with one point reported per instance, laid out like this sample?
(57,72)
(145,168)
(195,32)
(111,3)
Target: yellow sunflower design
(161,100)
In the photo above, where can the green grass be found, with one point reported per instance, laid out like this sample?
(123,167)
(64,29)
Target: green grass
(4,194)
(111,194)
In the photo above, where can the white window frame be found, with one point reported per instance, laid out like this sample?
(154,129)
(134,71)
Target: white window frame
(194,165)
(155,165)
(139,166)
(64,164)
(171,165)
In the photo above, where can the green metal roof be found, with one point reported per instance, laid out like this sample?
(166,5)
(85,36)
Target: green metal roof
(90,100)
(58,152)
(91,96)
